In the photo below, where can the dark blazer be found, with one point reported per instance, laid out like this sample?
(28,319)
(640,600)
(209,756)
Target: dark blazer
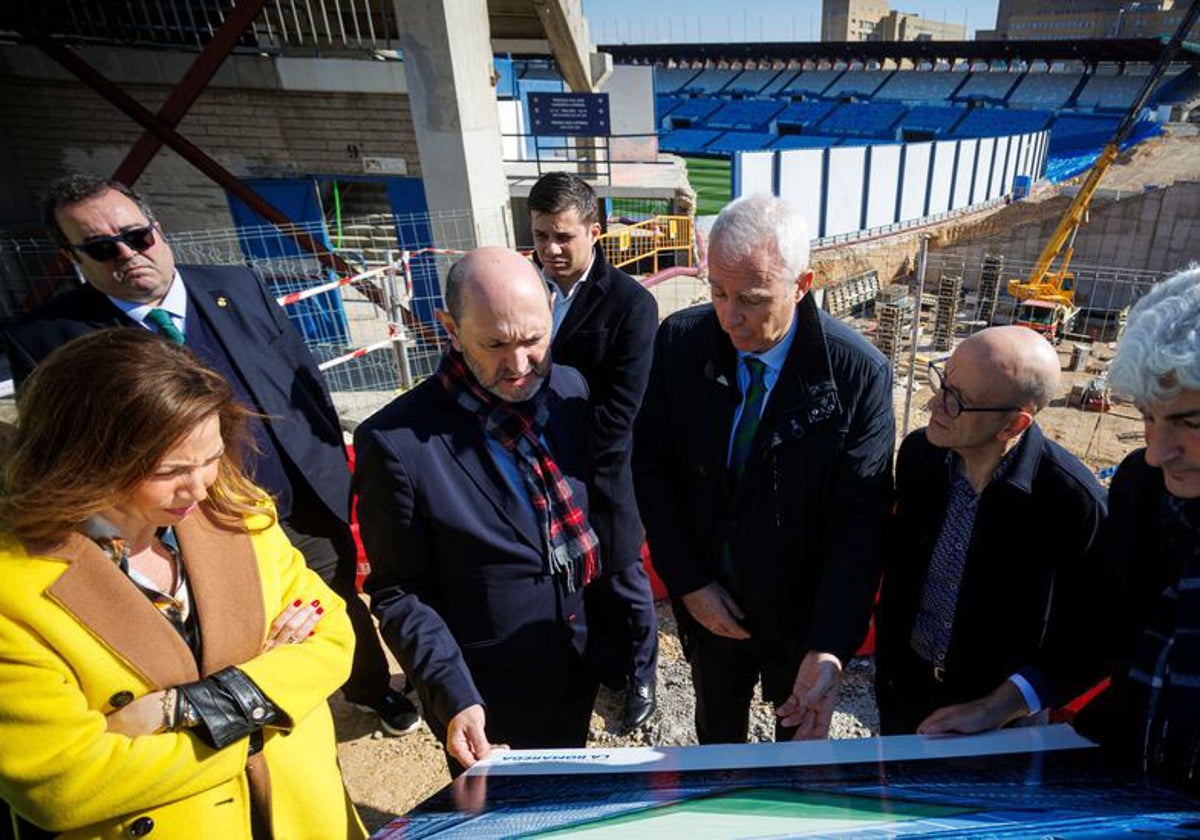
(806,521)
(1032,585)
(261,346)
(608,336)
(1138,570)
(459,578)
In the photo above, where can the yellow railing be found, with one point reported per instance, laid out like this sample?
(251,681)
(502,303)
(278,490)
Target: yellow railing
(629,244)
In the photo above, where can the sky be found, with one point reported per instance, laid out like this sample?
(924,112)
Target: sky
(688,21)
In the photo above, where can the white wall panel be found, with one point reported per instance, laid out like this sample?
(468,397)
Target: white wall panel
(885,185)
(962,178)
(943,177)
(983,168)
(843,199)
(754,173)
(997,188)
(800,183)
(1010,164)
(916,179)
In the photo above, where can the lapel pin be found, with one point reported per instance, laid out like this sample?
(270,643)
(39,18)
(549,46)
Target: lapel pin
(222,300)
(721,380)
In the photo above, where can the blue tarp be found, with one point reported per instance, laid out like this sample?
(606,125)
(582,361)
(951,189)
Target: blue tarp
(1069,163)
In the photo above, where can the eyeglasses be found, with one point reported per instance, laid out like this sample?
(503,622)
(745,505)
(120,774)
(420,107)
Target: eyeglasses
(952,401)
(104,248)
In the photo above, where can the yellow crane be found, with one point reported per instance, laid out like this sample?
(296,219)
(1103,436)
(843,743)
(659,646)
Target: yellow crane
(1046,298)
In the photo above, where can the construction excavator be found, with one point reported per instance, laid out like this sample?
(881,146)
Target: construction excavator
(1046,298)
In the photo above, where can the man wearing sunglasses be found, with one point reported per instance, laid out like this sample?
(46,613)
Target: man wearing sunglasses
(992,584)
(227,317)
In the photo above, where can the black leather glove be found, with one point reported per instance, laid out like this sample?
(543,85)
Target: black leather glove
(229,707)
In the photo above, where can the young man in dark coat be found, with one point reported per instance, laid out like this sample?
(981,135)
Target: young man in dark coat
(604,323)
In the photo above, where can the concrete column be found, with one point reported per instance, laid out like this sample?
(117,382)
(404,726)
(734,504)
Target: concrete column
(448,64)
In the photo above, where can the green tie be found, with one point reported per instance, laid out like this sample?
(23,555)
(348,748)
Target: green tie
(752,404)
(164,324)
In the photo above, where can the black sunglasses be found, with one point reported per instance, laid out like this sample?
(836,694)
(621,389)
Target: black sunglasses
(104,248)
(952,401)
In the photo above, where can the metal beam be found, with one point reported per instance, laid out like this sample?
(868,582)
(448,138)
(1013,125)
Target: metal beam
(185,148)
(189,88)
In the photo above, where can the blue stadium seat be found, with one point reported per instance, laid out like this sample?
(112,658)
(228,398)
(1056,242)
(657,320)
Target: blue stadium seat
(671,79)
(692,111)
(1079,131)
(710,81)
(863,120)
(804,114)
(779,83)
(1110,93)
(810,82)
(740,141)
(751,82)
(686,140)
(1050,91)
(991,122)
(805,141)
(746,115)
(992,86)
(862,83)
(919,86)
(663,106)
(932,118)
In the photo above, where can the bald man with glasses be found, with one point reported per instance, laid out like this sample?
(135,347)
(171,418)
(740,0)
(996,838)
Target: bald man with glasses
(990,596)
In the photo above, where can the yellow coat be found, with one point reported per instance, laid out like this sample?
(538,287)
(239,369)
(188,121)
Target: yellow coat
(75,634)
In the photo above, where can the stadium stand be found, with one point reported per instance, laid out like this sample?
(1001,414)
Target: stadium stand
(861,83)
(778,83)
(1080,131)
(686,140)
(664,105)
(746,115)
(863,120)
(988,86)
(801,115)
(988,122)
(811,82)
(805,141)
(672,79)
(740,141)
(1107,92)
(1045,90)
(751,82)
(692,111)
(919,86)
(932,118)
(1180,88)
(710,81)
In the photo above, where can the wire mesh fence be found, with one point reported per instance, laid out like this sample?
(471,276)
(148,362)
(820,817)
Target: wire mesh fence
(373,333)
(948,297)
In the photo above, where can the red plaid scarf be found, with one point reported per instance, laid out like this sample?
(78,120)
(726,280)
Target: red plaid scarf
(572,549)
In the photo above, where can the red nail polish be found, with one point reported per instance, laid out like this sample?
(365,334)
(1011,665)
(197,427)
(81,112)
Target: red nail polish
(317,602)
(310,632)
(320,610)
(297,602)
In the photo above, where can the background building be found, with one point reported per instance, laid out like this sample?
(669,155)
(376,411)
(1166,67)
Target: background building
(1041,20)
(874,20)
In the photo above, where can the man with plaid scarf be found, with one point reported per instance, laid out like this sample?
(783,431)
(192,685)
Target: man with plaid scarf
(1151,713)
(473,509)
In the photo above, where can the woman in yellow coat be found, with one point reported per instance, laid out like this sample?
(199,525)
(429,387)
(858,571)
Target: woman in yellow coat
(165,655)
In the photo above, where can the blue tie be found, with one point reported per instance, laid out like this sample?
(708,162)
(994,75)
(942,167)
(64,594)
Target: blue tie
(164,325)
(752,404)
